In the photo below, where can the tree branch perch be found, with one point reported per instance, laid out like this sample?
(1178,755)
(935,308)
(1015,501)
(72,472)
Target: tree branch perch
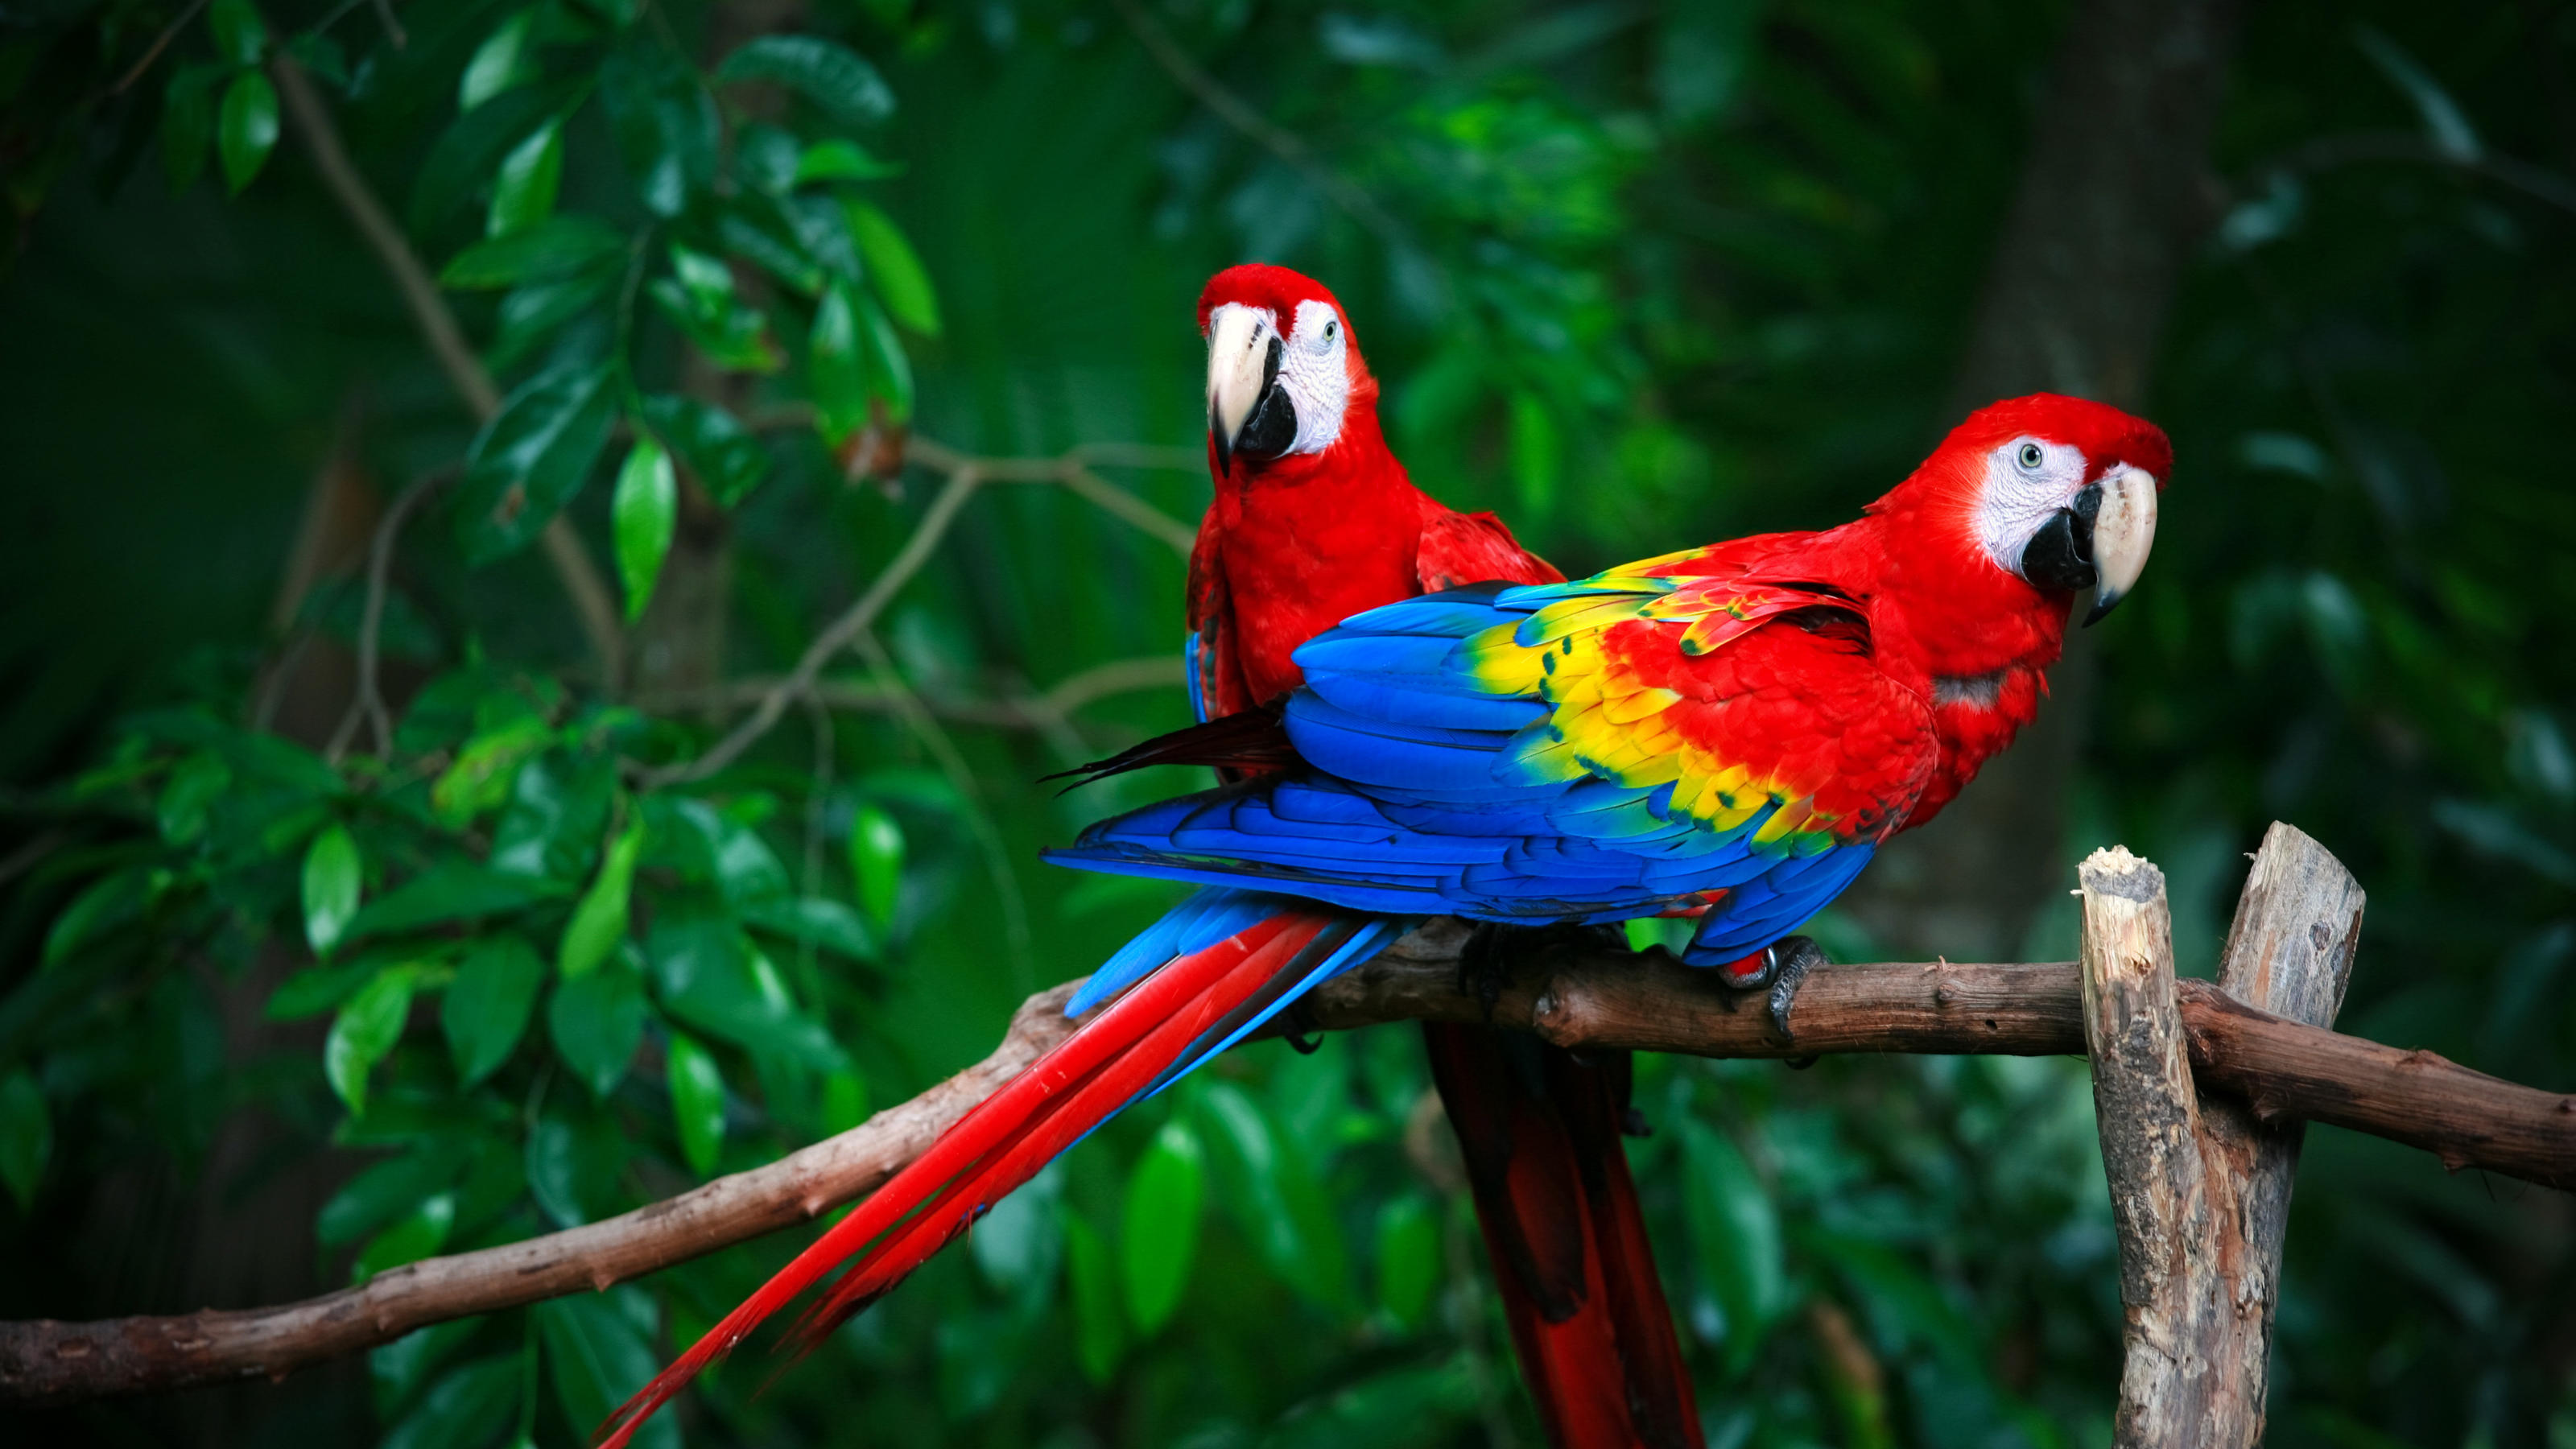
(2284,1070)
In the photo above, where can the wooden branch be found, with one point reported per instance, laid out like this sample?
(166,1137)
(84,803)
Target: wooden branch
(2200,1185)
(2289,952)
(2172,1238)
(1597,998)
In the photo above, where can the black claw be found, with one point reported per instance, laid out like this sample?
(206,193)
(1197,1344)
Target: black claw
(1792,957)
(1632,1123)
(1302,1034)
(1799,1064)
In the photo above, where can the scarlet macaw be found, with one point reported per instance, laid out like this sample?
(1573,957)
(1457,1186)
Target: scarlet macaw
(1728,730)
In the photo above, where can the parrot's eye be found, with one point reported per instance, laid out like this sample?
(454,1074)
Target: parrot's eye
(1331,329)
(2030,457)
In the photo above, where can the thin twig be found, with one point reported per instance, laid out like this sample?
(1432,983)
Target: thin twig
(1029,711)
(1283,143)
(1602,999)
(2329,152)
(393,28)
(1072,471)
(574,568)
(370,700)
(160,43)
(915,552)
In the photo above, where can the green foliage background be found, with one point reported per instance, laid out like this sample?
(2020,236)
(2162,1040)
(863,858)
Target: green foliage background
(1639,276)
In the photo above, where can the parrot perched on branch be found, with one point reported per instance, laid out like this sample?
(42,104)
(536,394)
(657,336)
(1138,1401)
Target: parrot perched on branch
(1726,732)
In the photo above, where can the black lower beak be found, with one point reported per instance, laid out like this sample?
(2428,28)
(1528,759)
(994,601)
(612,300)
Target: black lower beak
(1270,429)
(2060,555)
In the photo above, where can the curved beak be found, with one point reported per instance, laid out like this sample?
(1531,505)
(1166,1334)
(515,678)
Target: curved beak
(2124,532)
(2099,540)
(1249,412)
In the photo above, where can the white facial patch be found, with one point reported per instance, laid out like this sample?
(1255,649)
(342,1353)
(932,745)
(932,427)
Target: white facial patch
(2027,480)
(1315,368)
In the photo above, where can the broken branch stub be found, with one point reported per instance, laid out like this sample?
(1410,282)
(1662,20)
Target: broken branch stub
(2200,1182)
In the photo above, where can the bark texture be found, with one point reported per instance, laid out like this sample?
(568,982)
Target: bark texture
(2200,1184)
(2283,1070)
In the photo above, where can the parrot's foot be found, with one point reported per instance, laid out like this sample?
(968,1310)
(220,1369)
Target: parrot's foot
(1781,967)
(1494,951)
(1303,1035)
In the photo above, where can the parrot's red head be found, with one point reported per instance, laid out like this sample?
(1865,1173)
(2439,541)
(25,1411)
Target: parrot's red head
(2055,492)
(1284,373)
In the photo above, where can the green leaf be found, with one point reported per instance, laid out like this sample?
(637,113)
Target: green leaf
(876,863)
(533,457)
(835,372)
(462,160)
(100,908)
(317,989)
(558,246)
(486,768)
(1408,1258)
(332,878)
(599,921)
(726,460)
(194,786)
(364,1031)
(487,1006)
(1099,1328)
(845,1101)
(1735,1227)
(600,1348)
(1267,1186)
(1160,1233)
(709,976)
(412,1237)
(246,128)
(839,83)
(523,193)
(321,55)
(400,1369)
(239,33)
(390,1188)
(26,1136)
(465,1409)
(448,891)
(814,920)
(894,268)
(700,298)
(555,1164)
(665,125)
(533,314)
(557,814)
(506,58)
(697,1102)
(597,1021)
(187,124)
(839,160)
(642,514)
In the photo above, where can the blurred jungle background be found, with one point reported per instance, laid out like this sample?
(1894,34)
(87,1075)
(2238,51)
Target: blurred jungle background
(438,430)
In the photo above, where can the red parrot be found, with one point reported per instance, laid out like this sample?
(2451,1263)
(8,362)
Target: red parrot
(1727,732)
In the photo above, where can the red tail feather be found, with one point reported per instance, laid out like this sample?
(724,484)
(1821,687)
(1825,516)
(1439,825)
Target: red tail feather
(998,1145)
(1541,1135)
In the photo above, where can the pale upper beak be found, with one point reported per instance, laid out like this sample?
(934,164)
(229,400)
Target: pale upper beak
(1249,412)
(2099,540)
(2124,532)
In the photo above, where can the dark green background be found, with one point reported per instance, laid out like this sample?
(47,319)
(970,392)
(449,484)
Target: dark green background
(1646,275)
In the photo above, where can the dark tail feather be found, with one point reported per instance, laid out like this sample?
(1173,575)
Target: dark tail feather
(1251,740)
(1169,1017)
(1540,1131)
